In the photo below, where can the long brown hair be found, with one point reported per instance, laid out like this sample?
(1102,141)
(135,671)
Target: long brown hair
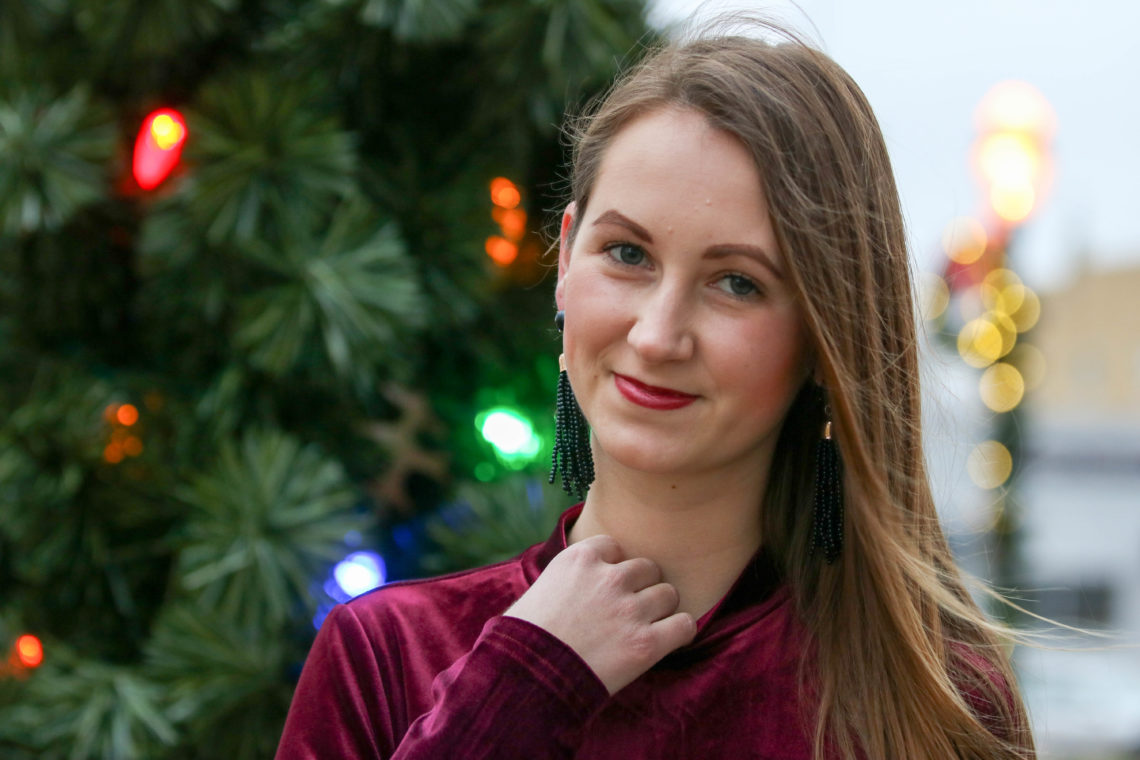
(903,663)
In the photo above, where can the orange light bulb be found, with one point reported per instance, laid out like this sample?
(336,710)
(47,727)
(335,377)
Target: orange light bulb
(127,415)
(29,651)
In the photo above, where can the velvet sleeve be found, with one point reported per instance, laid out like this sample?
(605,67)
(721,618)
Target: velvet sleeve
(519,692)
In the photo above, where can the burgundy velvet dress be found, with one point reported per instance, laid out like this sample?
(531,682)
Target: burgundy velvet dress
(432,669)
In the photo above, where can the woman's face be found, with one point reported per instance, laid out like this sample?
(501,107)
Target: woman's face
(683,342)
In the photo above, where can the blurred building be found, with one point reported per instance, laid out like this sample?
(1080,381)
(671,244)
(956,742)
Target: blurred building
(1081,482)
(1079,492)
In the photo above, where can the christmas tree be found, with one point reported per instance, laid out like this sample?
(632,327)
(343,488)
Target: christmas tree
(326,329)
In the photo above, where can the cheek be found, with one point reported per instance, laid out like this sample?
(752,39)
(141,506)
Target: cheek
(769,369)
(594,315)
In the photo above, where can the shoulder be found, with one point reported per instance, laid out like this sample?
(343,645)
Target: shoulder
(453,606)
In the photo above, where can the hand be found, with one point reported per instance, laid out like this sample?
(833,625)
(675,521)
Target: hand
(616,613)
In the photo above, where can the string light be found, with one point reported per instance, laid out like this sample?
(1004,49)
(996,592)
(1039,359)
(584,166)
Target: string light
(360,572)
(123,442)
(1016,124)
(127,415)
(964,240)
(29,651)
(504,193)
(989,464)
(501,250)
(504,247)
(158,147)
(510,433)
(980,342)
(1001,387)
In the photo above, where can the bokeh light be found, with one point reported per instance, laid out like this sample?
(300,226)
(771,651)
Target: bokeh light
(980,342)
(1001,387)
(989,464)
(166,131)
(360,572)
(158,147)
(113,452)
(964,240)
(29,651)
(1005,327)
(504,193)
(127,415)
(1027,312)
(1011,157)
(510,433)
(1013,202)
(1006,300)
(512,221)
(934,296)
(502,251)
(1016,106)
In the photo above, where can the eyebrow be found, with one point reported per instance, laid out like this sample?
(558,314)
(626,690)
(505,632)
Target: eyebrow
(718,251)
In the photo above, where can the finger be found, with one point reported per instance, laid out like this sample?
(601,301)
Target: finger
(674,631)
(658,601)
(638,573)
(605,548)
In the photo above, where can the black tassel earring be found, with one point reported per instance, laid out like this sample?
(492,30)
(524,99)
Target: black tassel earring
(571,434)
(827,522)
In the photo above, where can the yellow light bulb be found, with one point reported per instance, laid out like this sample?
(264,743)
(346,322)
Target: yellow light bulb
(166,131)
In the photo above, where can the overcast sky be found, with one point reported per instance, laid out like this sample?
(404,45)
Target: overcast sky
(925,65)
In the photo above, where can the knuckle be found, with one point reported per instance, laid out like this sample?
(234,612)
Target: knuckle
(580,554)
(648,566)
(642,646)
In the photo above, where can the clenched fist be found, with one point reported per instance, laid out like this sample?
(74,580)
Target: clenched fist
(616,613)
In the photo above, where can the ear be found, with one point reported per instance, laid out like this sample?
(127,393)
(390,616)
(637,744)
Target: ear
(564,251)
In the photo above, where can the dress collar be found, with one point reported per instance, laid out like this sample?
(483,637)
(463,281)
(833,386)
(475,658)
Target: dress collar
(759,584)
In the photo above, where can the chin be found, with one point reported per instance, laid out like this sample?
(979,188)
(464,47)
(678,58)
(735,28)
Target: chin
(637,453)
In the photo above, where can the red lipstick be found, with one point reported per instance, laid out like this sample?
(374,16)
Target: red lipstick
(651,396)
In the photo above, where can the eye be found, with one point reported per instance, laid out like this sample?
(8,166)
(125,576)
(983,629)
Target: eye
(626,253)
(738,285)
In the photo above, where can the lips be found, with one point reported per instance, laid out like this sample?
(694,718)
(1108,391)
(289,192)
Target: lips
(651,396)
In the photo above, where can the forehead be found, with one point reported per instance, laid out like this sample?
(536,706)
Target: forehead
(674,162)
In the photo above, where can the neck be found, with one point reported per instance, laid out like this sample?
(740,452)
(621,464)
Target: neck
(701,529)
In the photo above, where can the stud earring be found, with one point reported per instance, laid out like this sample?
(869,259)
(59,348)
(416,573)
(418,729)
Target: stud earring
(827,516)
(571,434)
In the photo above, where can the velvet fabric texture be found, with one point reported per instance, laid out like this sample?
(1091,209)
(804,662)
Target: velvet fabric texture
(432,669)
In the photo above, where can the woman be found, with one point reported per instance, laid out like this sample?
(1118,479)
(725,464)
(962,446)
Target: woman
(733,283)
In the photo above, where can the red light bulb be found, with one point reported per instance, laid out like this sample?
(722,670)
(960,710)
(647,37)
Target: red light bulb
(158,147)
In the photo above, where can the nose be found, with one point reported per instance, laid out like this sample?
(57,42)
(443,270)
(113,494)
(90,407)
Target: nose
(663,327)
